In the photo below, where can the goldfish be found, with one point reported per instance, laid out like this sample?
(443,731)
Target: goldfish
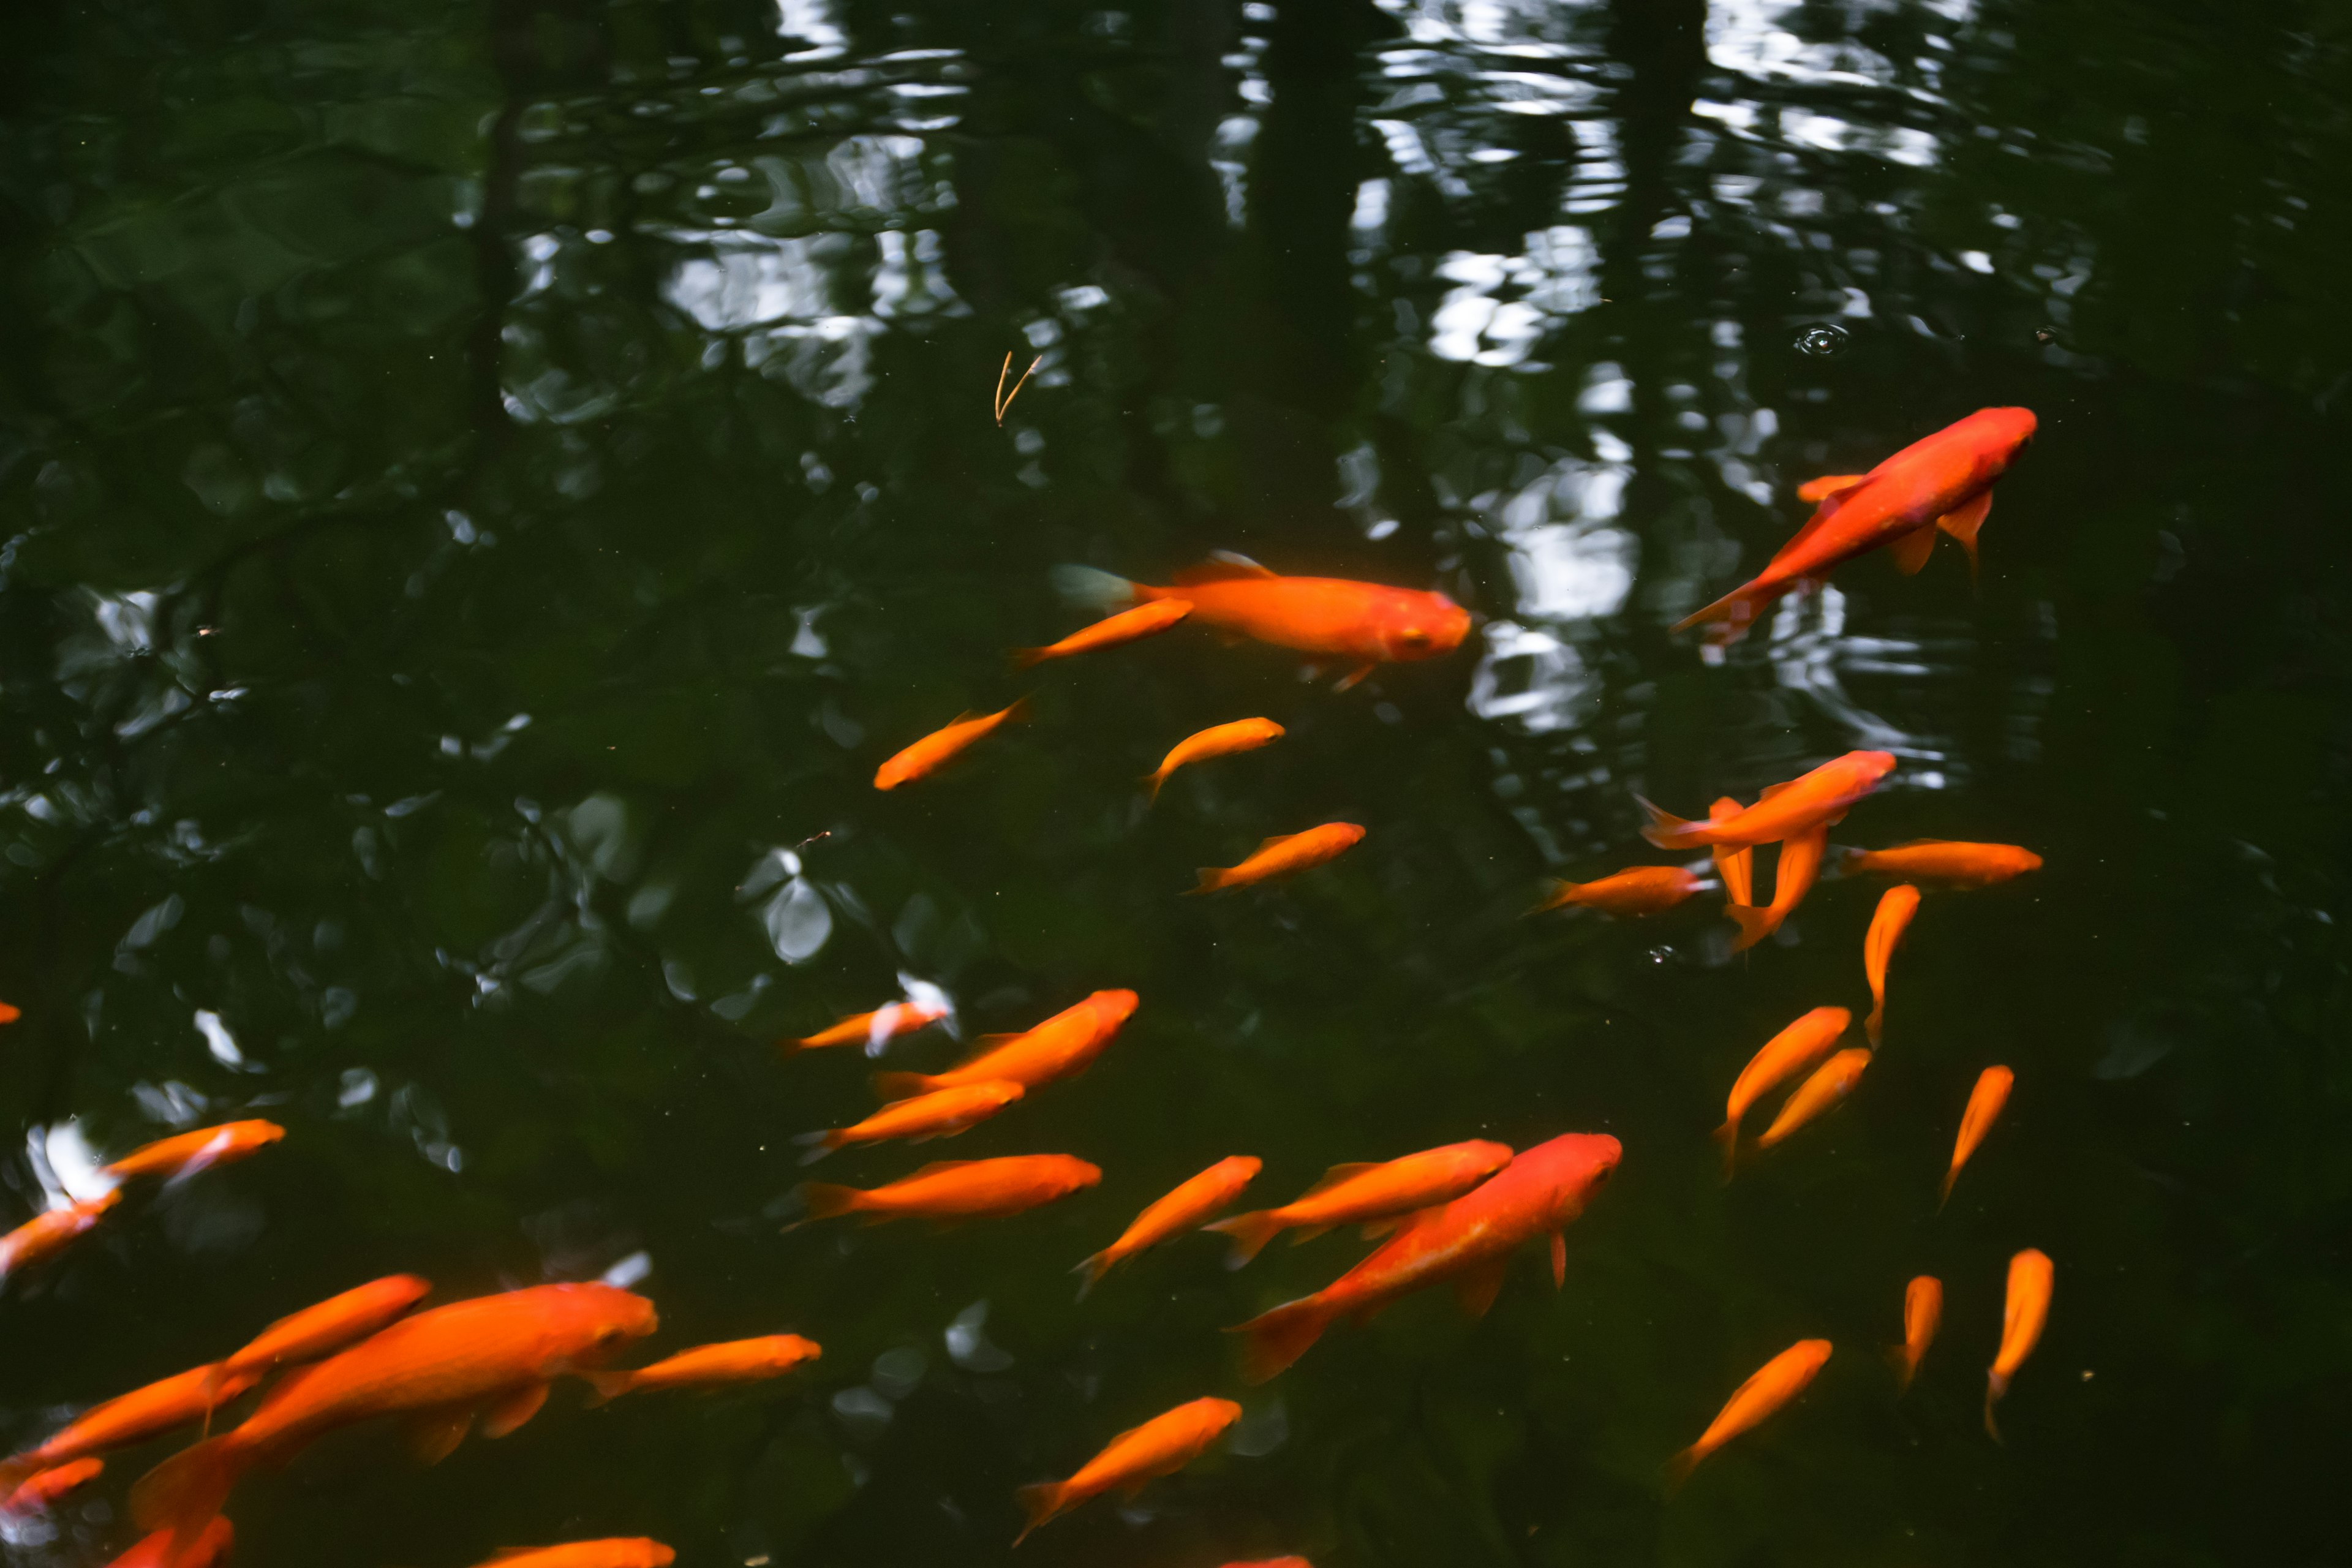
(44,1235)
(1062,1046)
(936,749)
(1182,1210)
(1893,918)
(1166,1443)
(1217,741)
(1368,1194)
(9,1013)
(1923,1312)
(957,1189)
(321,1329)
(620,1551)
(872,1030)
(1281,855)
(1775,1384)
(1363,624)
(942,1113)
(190,1153)
(133,1417)
(1272,1563)
(1831,1082)
(735,1361)
(1944,481)
(1819,796)
(1128,626)
(207,1549)
(1944,860)
(1784,1056)
(1985,1102)
(39,1491)
(491,1355)
(1636,890)
(1468,1241)
(1792,879)
(1735,867)
(2021,1318)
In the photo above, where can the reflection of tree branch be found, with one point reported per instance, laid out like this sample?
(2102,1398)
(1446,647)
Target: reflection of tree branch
(494,266)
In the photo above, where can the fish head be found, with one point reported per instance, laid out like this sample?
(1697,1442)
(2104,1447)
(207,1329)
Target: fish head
(2001,433)
(602,1318)
(1570,1169)
(1113,1008)
(1422,626)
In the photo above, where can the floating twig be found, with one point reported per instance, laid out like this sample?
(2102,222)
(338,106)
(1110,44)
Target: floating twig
(1003,398)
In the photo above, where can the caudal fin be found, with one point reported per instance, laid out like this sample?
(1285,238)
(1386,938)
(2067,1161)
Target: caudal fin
(1727,1137)
(1877,1019)
(1733,612)
(901,1085)
(1276,1339)
(1250,1232)
(186,1492)
(1679,1467)
(1090,589)
(817,1145)
(1151,783)
(604,1387)
(1211,879)
(1755,924)
(1906,1368)
(1995,1386)
(1667,830)
(1038,1504)
(1027,657)
(824,1200)
(1093,1269)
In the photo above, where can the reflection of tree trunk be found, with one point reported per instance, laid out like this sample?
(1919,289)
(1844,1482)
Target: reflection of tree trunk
(1665,42)
(493,266)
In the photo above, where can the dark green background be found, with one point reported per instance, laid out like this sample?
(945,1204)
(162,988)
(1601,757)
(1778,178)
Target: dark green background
(366,384)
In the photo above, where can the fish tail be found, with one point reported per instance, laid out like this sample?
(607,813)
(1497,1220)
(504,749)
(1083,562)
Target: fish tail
(1838,861)
(1871,1024)
(824,1200)
(1250,1232)
(901,1085)
(1755,924)
(1038,1504)
(1945,1197)
(1905,1366)
(1094,1268)
(604,1387)
(1667,830)
(1276,1339)
(1151,782)
(1090,588)
(1727,1135)
(1027,657)
(1560,895)
(1211,879)
(1995,1386)
(1734,611)
(186,1492)
(15,1472)
(1679,1467)
(1020,711)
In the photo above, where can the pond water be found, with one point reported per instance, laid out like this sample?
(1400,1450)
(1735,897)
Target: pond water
(484,484)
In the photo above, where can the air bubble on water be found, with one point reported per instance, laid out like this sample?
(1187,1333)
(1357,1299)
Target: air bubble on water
(1824,341)
(1661,955)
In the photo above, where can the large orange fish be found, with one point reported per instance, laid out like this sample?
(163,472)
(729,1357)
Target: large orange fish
(188,1152)
(942,1113)
(1887,925)
(1943,481)
(133,1417)
(1775,1384)
(2026,1309)
(1636,890)
(45,1234)
(1468,1241)
(1127,626)
(1368,1194)
(1784,1056)
(207,1549)
(1831,1083)
(1923,1314)
(1217,741)
(1944,860)
(1281,856)
(1062,1044)
(1166,1443)
(938,748)
(705,1366)
(1822,795)
(956,1190)
(1361,624)
(1735,867)
(321,1329)
(872,1030)
(1792,877)
(1985,1102)
(619,1552)
(1183,1209)
(40,1491)
(1272,1563)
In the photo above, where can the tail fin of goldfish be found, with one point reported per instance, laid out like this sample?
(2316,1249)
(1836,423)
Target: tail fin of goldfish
(817,1144)
(901,1085)
(1038,1504)
(1733,612)
(1152,782)
(1027,657)
(1727,1135)
(1250,1232)
(824,1200)
(186,1492)
(1561,895)
(1094,1268)
(1755,924)
(1667,830)
(1276,1339)
(1091,589)
(15,1472)
(1679,1467)
(1837,860)
(1211,879)
(1995,1387)
(1021,710)
(1899,1358)
(604,1387)
(1945,1195)
(1871,1024)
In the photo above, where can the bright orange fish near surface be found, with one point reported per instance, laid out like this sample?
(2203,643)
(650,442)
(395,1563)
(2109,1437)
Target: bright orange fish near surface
(1944,860)
(135,1417)
(1944,481)
(320,1330)
(710,1366)
(1061,1046)
(1774,1385)
(1822,795)
(1636,890)
(1735,867)
(872,1030)
(1372,1193)
(942,1113)
(1272,1563)
(1468,1241)
(10,1013)
(1985,1102)
(207,1548)
(1792,877)
(1217,741)
(1923,1314)
(1166,1443)
(1283,856)
(1183,1209)
(1831,1083)
(616,1551)
(2024,1313)
(44,1235)
(189,1152)
(1127,626)
(1784,1056)
(40,1491)
(1888,924)
(940,746)
(957,1189)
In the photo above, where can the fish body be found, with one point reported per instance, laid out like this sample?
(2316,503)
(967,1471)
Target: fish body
(1792,877)
(735,1361)
(206,1548)
(1272,1563)
(1283,856)
(188,1152)
(630,1551)
(1784,1056)
(1923,1314)
(1893,918)
(942,1113)
(1368,1194)
(1774,1385)
(1167,1442)
(1127,626)
(39,1491)
(1831,1083)
(1636,890)
(1469,1240)
(1984,1108)
(1735,867)
(1217,741)
(1821,797)
(958,1189)
(935,749)
(1062,1044)
(1183,1209)
(136,1417)
(2024,1313)
(44,1235)
(1945,861)
(319,1331)
(872,1030)
(10,1013)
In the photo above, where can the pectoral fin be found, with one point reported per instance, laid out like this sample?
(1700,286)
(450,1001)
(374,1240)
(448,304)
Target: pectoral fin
(1476,1289)
(511,1410)
(1348,680)
(433,1435)
(1558,1260)
(1962,522)
(1911,550)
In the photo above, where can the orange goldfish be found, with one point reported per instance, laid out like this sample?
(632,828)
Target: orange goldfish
(1182,1210)
(621,1552)
(1785,810)
(735,1361)
(1330,618)
(322,1330)
(1831,1082)
(1775,1384)
(189,1152)
(133,1417)
(1217,741)
(942,1113)
(9,1013)
(1735,867)
(2022,1317)
(1128,626)
(1784,1056)
(1062,1046)
(1166,1443)
(1923,1314)
(491,1355)
(207,1549)
(1792,879)
(1985,1102)
(45,1234)
(1272,1563)
(1368,1194)
(936,749)
(39,1492)
(1636,890)
(957,1189)
(1280,857)
(1886,928)
(1944,481)
(872,1030)
(1944,860)
(1468,1241)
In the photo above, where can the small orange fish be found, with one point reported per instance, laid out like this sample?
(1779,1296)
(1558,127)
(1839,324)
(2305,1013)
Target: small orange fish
(1944,860)
(1281,856)
(1636,890)
(942,1113)
(1775,1384)
(1784,1056)
(207,1548)
(40,1491)
(620,1551)
(1217,741)
(9,1014)
(1062,1046)
(956,1190)
(2022,1317)
(1128,626)
(1368,1194)
(1985,1102)
(735,1361)
(45,1234)
(1822,795)
(1923,1314)
(1831,1082)
(936,749)
(190,1153)
(1272,1563)
(1886,928)
(320,1330)
(132,1417)
(1735,867)
(872,1030)
(1792,877)
(1166,1443)
(1183,1209)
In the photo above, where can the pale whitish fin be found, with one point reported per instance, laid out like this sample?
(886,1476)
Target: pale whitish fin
(1221,566)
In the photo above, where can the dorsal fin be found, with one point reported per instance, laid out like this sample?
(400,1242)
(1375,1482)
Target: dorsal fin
(1772,790)
(985,1044)
(936,1168)
(1337,1174)
(1828,485)
(1265,844)
(1223,565)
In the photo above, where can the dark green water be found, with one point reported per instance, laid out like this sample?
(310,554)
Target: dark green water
(479,479)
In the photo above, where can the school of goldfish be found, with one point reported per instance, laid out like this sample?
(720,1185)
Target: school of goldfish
(1454,1215)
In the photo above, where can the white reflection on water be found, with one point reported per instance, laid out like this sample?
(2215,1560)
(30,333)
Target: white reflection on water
(1570,568)
(1502,306)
